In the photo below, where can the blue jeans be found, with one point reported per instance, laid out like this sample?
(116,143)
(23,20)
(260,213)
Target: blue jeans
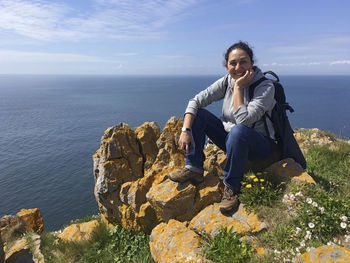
(240,144)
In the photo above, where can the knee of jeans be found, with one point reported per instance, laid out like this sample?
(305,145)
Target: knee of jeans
(237,132)
(201,114)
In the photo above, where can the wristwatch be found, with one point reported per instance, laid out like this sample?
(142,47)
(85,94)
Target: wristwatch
(184,129)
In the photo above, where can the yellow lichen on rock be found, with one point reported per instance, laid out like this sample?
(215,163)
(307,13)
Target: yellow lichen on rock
(287,169)
(78,232)
(26,249)
(173,242)
(210,220)
(172,200)
(147,134)
(325,254)
(32,219)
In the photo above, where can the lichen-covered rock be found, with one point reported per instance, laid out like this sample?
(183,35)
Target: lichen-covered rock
(147,134)
(2,254)
(325,254)
(173,242)
(26,249)
(169,156)
(128,164)
(309,137)
(32,219)
(13,224)
(78,232)
(172,200)
(210,220)
(182,201)
(117,161)
(287,169)
(27,220)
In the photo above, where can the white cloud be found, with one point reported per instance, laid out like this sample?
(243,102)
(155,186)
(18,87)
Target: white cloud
(340,62)
(13,56)
(122,19)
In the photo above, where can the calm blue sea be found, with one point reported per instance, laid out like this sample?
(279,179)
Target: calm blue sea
(50,126)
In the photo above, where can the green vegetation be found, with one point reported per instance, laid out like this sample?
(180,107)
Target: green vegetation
(258,190)
(298,215)
(227,247)
(106,245)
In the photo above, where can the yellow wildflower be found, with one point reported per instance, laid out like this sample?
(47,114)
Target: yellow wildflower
(262,180)
(249,186)
(244,183)
(256,180)
(258,173)
(262,188)
(252,176)
(284,165)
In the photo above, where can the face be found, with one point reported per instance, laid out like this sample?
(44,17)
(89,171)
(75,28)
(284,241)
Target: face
(238,63)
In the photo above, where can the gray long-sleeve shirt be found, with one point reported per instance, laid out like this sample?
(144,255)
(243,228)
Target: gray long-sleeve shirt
(247,114)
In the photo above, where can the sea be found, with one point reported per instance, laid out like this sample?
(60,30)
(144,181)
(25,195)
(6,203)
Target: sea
(51,125)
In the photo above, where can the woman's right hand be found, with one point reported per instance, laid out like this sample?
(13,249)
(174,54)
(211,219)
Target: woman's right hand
(185,141)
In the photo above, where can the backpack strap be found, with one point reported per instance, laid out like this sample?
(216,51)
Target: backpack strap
(251,94)
(253,86)
(226,83)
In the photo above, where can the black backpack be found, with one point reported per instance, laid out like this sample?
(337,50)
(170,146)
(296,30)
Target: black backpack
(284,133)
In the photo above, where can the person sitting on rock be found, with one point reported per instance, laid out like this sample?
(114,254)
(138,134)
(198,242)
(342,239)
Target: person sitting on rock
(240,132)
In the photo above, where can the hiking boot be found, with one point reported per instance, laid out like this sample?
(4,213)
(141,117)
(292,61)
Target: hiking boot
(184,175)
(229,202)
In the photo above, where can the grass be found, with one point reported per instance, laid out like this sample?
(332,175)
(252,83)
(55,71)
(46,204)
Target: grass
(106,245)
(227,247)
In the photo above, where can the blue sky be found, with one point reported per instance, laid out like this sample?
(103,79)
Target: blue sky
(155,37)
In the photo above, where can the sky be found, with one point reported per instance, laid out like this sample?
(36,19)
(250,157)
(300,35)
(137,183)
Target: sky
(174,37)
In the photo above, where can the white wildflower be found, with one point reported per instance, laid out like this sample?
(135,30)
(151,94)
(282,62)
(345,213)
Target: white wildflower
(297,250)
(322,209)
(309,200)
(314,204)
(298,194)
(343,225)
(344,218)
(298,229)
(308,249)
(302,243)
(311,225)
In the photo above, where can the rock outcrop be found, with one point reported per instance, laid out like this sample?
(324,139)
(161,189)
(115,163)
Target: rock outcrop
(22,249)
(78,232)
(132,187)
(173,242)
(27,220)
(26,249)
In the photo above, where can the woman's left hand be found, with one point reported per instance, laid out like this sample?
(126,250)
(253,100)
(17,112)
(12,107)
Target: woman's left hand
(243,81)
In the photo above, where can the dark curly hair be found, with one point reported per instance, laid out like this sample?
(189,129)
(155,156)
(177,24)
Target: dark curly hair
(241,45)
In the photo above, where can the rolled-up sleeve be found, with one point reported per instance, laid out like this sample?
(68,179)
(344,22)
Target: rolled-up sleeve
(214,92)
(262,101)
